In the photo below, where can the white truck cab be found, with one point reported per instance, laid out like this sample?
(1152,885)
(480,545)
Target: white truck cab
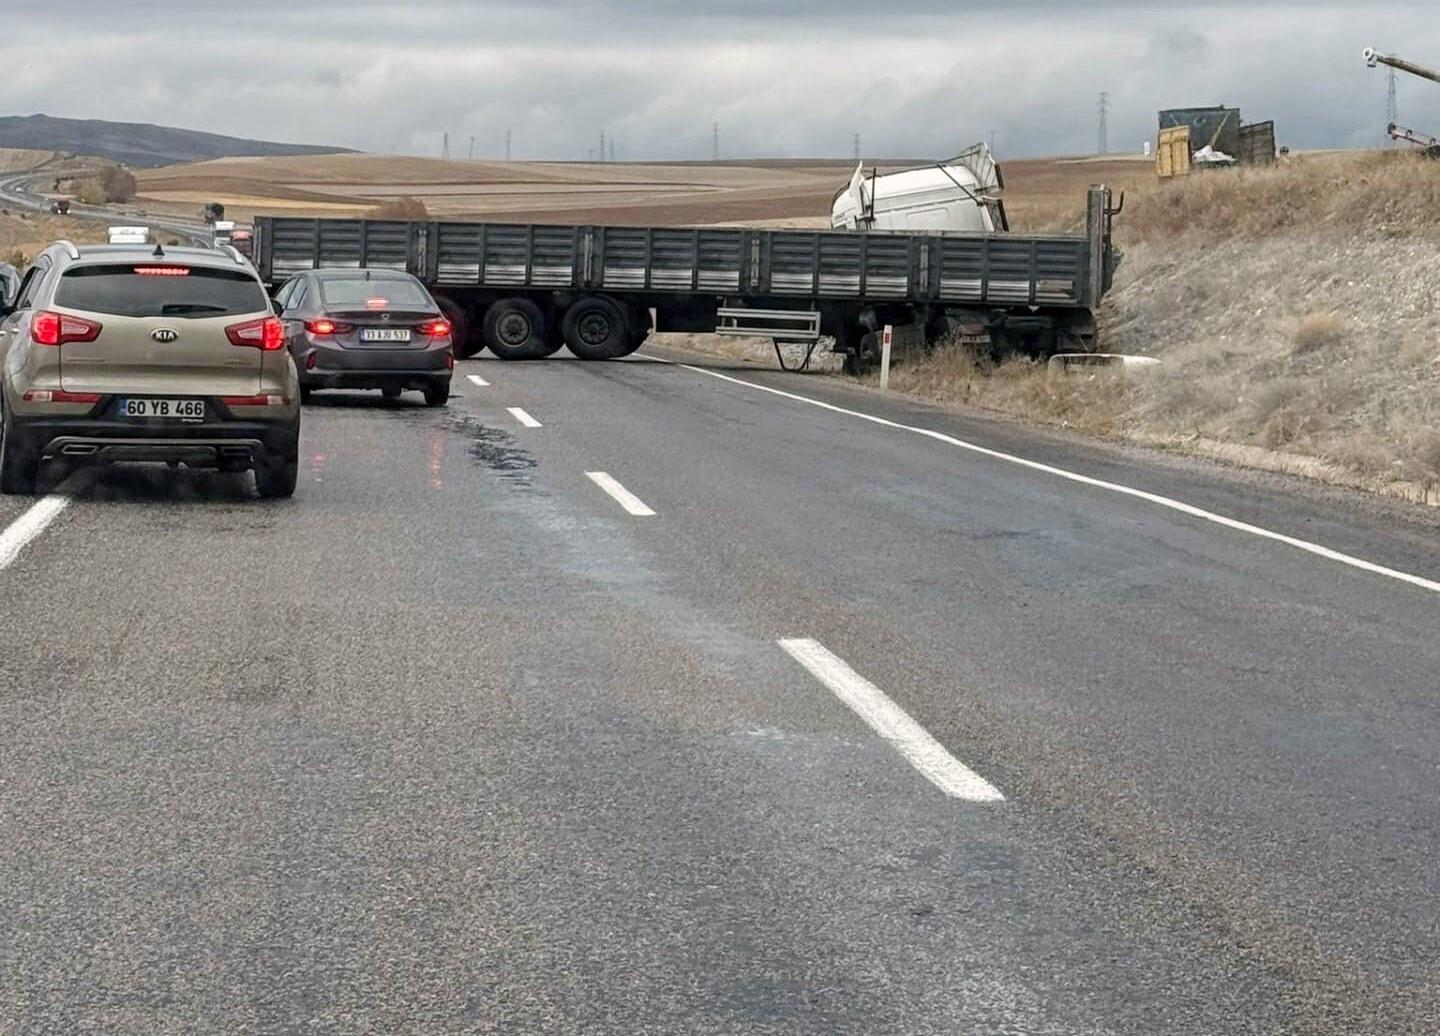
(960,194)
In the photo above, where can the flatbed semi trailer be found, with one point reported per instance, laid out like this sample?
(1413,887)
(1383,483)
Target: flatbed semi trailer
(523,290)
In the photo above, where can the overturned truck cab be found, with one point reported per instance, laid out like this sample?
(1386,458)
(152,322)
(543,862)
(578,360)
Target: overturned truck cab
(525,290)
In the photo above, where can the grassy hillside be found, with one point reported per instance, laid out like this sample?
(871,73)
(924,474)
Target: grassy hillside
(134,143)
(1296,312)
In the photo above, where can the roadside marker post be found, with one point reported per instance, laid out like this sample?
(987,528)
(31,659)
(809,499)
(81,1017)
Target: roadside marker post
(886,336)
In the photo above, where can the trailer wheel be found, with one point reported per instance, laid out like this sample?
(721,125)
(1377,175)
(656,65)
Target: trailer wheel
(554,339)
(466,343)
(514,329)
(595,328)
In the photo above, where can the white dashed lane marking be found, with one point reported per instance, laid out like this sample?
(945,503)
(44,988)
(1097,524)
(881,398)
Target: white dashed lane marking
(892,723)
(626,499)
(36,519)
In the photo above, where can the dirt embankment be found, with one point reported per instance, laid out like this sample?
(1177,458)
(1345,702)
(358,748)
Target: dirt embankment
(1296,312)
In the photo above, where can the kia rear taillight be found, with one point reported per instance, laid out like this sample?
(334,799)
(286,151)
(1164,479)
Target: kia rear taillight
(59,396)
(47,328)
(435,328)
(254,400)
(325,326)
(267,334)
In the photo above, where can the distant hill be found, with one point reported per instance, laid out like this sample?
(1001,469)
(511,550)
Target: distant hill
(136,143)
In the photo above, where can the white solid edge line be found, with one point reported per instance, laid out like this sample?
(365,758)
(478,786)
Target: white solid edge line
(524,418)
(475,379)
(1154,498)
(32,523)
(892,723)
(621,495)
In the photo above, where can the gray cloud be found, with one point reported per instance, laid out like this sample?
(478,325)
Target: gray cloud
(913,77)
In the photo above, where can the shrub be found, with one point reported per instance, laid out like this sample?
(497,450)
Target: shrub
(1318,331)
(117,183)
(404,207)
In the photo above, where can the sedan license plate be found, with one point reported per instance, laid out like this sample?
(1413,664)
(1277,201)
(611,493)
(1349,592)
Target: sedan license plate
(384,334)
(172,409)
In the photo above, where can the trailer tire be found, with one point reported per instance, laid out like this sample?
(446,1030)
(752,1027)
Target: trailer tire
(554,339)
(595,328)
(467,344)
(514,329)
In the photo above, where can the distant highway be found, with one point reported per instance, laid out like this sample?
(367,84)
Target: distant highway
(18,191)
(643,697)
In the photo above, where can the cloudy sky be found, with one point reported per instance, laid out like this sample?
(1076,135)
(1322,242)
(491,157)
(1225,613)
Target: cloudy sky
(913,77)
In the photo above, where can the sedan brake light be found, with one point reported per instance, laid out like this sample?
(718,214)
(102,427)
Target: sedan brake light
(326,326)
(435,328)
(266,333)
(47,328)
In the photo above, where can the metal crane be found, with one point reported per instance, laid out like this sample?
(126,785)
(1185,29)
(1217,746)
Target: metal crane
(1429,145)
(1373,57)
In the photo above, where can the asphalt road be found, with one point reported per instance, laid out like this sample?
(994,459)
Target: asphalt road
(457,741)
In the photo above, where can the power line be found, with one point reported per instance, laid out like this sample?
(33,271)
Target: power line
(612,149)
(1102,134)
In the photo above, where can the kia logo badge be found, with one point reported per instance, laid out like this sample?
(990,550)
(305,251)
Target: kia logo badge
(164,334)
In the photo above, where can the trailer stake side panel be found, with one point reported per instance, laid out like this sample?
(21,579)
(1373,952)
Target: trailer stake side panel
(750,267)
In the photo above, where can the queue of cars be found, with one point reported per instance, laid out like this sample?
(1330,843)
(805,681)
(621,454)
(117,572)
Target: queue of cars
(140,353)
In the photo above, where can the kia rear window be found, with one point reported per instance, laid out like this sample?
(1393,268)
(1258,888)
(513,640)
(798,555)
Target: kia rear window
(160,290)
(359,292)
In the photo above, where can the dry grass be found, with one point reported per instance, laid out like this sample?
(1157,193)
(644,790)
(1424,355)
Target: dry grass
(24,235)
(1390,193)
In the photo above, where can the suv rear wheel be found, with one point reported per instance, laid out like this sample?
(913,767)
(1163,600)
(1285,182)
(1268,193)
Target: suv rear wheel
(277,473)
(19,465)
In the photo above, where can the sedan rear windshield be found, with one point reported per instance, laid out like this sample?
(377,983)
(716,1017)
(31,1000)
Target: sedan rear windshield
(172,290)
(359,291)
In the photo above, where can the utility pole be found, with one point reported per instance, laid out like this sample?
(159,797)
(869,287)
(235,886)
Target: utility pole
(1392,110)
(507,145)
(445,147)
(1102,135)
(602,145)
(857,147)
(715,143)
(472,149)
(992,142)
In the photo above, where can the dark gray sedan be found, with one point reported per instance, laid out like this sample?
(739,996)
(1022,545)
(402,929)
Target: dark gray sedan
(367,329)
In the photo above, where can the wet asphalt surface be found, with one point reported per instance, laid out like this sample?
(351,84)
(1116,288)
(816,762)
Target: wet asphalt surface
(452,743)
